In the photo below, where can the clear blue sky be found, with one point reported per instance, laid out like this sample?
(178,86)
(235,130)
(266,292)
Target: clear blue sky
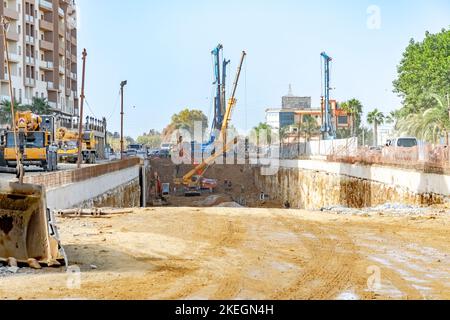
(163,49)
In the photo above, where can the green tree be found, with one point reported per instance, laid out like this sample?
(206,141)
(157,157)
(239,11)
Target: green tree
(355,109)
(375,118)
(262,130)
(309,126)
(40,106)
(430,125)
(424,70)
(151,140)
(186,120)
(5,110)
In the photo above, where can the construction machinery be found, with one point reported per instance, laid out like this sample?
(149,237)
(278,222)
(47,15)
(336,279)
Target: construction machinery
(93,141)
(67,141)
(192,181)
(2,147)
(27,228)
(34,139)
(28,232)
(328,128)
(219,83)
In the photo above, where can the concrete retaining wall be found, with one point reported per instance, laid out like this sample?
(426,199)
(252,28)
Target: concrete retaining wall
(313,184)
(114,184)
(119,189)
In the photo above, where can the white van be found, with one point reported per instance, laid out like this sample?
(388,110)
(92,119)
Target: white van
(404,142)
(166,146)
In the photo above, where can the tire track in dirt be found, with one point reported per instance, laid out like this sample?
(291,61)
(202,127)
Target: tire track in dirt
(326,264)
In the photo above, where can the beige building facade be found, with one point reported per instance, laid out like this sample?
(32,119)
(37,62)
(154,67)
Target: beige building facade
(42,46)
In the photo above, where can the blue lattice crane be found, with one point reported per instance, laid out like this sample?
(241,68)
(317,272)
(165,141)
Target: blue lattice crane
(328,129)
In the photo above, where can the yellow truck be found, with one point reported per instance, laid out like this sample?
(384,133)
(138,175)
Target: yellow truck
(34,142)
(67,141)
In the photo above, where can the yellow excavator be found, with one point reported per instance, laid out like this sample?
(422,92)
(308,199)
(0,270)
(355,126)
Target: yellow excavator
(192,181)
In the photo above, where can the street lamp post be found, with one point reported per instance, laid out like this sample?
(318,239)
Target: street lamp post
(122,84)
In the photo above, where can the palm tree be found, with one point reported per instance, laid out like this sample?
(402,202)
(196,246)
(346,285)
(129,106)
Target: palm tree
(430,125)
(375,118)
(40,106)
(354,108)
(5,110)
(263,130)
(310,126)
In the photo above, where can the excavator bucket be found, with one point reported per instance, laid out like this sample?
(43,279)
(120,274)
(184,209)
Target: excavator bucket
(27,228)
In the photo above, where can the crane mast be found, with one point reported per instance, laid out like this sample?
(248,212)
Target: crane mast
(327,127)
(222,141)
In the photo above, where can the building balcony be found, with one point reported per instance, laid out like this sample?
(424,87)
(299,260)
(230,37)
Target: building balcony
(53,104)
(12,35)
(45,45)
(61,12)
(30,82)
(46,25)
(30,60)
(45,5)
(5,77)
(73,76)
(11,13)
(29,18)
(29,39)
(48,65)
(14,57)
(61,69)
(51,86)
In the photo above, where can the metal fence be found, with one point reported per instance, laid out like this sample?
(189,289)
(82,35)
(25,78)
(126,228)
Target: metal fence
(430,158)
(319,148)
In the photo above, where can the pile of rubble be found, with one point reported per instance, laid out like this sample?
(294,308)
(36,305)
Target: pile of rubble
(391,209)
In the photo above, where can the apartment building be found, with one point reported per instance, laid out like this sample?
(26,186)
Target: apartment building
(42,46)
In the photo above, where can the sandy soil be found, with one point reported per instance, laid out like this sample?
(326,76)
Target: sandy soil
(229,253)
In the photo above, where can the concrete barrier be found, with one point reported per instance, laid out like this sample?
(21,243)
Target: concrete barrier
(114,184)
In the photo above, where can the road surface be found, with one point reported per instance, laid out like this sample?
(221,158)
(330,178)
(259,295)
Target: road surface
(234,253)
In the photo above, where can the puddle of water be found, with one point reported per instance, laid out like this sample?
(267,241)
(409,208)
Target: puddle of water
(380,260)
(282,266)
(348,295)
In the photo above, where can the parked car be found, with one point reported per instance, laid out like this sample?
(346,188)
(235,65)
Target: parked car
(404,142)
(165,153)
(153,153)
(131,153)
(166,146)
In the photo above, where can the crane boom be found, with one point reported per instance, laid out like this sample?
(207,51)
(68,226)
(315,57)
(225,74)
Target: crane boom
(187,179)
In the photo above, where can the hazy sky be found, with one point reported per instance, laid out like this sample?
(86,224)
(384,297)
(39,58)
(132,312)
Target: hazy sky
(163,49)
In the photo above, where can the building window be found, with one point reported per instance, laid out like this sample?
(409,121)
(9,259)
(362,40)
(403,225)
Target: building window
(343,120)
(286,119)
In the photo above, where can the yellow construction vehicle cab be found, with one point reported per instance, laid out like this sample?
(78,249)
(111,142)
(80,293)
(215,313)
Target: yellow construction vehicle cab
(34,141)
(67,141)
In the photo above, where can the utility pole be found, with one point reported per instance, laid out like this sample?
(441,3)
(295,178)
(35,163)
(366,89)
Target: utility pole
(80,122)
(19,167)
(122,84)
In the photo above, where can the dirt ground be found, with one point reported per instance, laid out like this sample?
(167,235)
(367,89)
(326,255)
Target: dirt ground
(238,253)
